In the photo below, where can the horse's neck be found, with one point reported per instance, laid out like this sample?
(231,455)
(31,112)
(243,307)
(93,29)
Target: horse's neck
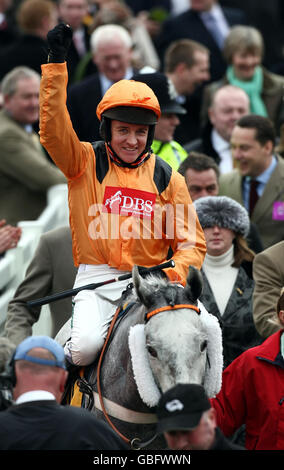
(116,372)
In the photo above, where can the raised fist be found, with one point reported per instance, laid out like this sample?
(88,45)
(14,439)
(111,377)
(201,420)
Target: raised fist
(59,40)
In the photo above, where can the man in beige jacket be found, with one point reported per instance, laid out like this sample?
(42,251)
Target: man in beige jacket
(252,144)
(25,170)
(268,274)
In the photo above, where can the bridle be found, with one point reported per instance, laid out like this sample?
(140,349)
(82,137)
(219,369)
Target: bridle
(134,443)
(149,315)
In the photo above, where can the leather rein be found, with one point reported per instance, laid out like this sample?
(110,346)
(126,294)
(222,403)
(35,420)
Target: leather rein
(135,443)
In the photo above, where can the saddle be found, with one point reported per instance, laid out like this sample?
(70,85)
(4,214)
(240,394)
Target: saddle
(82,380)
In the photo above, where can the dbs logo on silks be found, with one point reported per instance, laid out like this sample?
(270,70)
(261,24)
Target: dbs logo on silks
(129,202)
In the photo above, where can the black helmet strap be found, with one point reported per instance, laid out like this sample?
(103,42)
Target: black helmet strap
(117,160)
(105,131)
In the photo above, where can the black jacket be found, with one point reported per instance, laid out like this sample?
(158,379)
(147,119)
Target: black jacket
(203,144)
(29,50)
(46,425)
(238,328)
(189,25)
(222,443)
(82,101)
(73,58)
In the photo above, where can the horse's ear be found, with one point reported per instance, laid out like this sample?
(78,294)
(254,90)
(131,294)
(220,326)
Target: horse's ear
(142,288)
(194,284)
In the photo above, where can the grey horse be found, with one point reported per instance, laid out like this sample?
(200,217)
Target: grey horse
(160,339)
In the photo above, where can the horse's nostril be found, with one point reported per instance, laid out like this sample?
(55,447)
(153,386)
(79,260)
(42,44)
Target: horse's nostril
(203,346)
(152,351)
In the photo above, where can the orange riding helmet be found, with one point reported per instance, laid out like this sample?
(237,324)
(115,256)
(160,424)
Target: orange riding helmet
(130,94)
(132,102)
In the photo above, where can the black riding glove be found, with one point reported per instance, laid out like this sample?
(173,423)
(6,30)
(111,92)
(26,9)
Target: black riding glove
(59,40)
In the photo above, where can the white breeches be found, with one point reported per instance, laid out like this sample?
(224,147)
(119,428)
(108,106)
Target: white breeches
(92,315)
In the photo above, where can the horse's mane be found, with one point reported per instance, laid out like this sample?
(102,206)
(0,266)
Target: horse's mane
(158,286)
(155,282)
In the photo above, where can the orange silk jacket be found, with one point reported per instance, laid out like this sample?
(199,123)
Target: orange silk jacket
(118,216)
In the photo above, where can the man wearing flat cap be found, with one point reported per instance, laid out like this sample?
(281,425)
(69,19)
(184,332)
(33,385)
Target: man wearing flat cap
(188,421)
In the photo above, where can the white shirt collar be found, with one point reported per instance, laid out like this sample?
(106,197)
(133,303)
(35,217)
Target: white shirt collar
(218,142)
(222,147)
(106,83)
(179,6)
(28,128)
(34,395)
(79,41)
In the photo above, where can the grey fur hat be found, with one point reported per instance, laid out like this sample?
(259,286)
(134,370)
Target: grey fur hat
(224,212)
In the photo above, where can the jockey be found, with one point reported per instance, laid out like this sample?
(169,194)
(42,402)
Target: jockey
(126,205)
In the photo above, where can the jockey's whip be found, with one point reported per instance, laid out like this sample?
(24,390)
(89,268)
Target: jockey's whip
(73,292)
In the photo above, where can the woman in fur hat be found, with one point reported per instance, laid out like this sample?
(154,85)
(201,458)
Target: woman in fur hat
(227,272)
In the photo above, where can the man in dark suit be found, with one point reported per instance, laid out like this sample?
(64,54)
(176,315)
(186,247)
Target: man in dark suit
(111,48)
(268,18)
(195,24)
(36,421)
(73,12)
(8,31)
(229,104)
(186,63)
(149,5)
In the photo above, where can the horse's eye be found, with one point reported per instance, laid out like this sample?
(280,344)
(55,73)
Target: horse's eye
(152,351)
(203,345)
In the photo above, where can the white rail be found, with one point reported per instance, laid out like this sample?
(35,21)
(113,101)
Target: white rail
(15,262)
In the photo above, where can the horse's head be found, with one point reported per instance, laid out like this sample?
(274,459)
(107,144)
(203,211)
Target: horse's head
(157,291)
(176,336)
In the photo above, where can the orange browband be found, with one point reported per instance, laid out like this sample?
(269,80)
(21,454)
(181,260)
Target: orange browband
(168,307)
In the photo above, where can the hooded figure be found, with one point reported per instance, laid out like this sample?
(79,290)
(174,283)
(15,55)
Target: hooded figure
(127,206)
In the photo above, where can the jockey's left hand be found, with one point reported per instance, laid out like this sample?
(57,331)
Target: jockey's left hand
(59,40)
